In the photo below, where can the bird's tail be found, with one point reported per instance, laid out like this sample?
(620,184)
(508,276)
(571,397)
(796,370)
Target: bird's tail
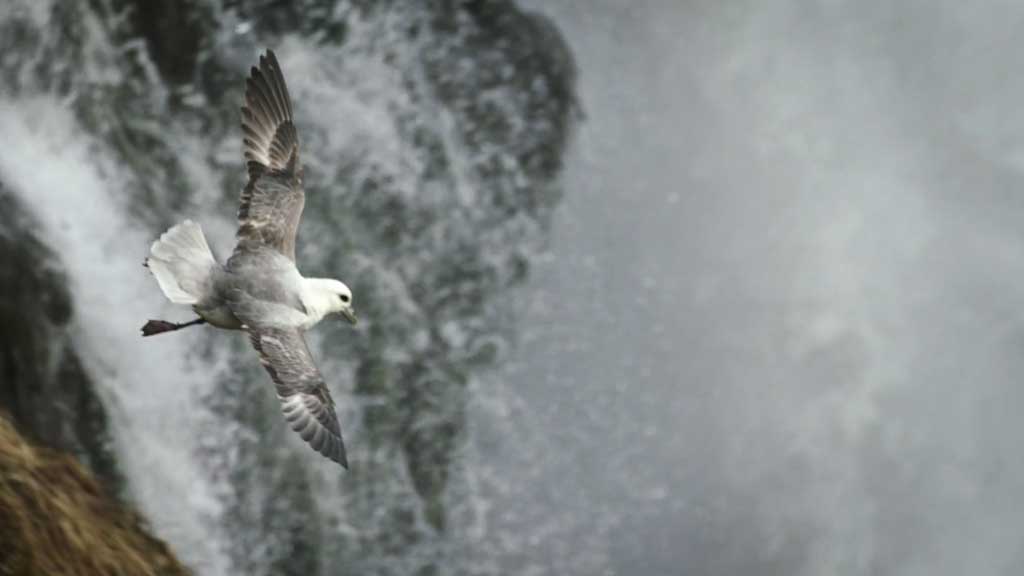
(182,263)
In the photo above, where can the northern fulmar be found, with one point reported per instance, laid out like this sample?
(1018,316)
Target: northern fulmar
(259,289)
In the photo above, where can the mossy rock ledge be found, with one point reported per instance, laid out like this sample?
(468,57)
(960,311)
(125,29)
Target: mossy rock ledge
(56,519)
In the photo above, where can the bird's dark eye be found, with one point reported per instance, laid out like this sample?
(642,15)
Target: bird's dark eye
(345,298)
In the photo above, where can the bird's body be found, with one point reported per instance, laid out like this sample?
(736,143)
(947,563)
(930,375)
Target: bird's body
(263,280)
(259,289)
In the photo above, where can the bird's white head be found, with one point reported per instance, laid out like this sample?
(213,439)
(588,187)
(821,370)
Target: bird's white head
(332,296)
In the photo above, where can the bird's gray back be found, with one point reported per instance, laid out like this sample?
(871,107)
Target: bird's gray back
(262,287)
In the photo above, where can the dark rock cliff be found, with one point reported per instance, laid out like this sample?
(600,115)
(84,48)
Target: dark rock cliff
(43,386)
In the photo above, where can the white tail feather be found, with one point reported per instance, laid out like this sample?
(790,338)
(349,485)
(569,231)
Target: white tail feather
(182,263)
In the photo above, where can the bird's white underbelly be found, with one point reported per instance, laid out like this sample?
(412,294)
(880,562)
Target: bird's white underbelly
(220,316)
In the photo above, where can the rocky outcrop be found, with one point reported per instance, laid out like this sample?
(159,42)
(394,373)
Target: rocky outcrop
(56,519)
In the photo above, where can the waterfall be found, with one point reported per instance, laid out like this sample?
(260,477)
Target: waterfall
(432,137)
(644,288)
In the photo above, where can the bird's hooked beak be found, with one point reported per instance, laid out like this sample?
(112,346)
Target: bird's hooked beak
(349,315)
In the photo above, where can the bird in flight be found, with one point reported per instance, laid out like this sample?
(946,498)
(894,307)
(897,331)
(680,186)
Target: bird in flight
(259,289)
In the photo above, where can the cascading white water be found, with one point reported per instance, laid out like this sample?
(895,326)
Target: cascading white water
(151,388)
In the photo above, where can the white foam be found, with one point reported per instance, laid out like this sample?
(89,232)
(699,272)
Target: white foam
(149,386)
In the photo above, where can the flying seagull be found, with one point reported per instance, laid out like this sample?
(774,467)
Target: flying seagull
(259,289)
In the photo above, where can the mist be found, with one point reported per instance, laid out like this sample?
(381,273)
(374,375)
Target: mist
(778,329)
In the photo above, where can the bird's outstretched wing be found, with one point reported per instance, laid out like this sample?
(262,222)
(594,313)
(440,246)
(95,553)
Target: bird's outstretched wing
(305,400)
(271,203)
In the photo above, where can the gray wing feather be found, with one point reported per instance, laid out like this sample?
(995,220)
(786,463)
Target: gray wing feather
(271,203)
(305,400)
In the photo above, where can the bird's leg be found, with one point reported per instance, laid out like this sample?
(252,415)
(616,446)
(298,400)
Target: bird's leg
(154,327)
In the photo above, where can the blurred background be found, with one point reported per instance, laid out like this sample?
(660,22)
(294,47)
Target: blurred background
(645,288)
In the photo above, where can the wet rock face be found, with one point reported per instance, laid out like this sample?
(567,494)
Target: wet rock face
(173,30)
(452,237)
(56,519)
(433,231)
(43,386)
